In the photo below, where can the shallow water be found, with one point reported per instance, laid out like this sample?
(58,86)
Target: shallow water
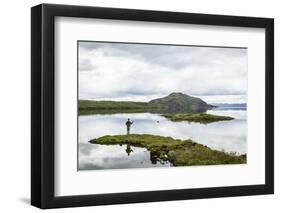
(230,136)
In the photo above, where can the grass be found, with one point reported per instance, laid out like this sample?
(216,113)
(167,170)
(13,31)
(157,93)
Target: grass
(196,117)
(87,107)
(110,105)
(178,152)
(109,111)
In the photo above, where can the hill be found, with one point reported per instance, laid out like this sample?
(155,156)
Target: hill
(175,102)
(179,102)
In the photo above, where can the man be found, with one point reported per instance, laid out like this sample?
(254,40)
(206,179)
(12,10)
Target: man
(128,124)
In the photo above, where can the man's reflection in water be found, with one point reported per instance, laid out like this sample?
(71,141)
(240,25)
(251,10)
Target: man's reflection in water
(129,149)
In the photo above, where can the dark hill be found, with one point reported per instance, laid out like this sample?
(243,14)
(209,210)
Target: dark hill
(179,102)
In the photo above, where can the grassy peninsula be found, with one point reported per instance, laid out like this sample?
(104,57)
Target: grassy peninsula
(197,117)
(178,152)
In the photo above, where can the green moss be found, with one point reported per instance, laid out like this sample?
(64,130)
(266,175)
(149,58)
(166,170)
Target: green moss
(178,152)
(196,117)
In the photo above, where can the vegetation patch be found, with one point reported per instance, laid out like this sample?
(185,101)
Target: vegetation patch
(177,152)
(196,117)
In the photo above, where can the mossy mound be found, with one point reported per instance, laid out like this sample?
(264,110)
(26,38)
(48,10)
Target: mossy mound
(178,152)
(196,117)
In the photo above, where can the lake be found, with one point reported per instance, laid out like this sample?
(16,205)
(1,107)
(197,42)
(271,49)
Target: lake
(230,136)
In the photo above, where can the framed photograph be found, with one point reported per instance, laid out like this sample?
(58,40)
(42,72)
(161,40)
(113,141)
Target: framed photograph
(139,106)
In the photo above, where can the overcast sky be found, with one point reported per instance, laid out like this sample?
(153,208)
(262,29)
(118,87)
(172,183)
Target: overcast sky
(141,72)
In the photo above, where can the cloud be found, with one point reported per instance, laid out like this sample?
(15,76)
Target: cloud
(122,71)
(85,65)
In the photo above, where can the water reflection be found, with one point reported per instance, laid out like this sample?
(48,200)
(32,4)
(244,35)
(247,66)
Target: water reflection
(129,149)
(222,135)
(93,156)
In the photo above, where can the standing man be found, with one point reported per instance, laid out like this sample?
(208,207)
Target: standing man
(128,124)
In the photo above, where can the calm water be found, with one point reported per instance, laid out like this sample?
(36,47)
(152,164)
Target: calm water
(230,136)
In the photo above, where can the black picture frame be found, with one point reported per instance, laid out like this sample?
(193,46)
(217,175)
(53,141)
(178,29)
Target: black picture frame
(43,105)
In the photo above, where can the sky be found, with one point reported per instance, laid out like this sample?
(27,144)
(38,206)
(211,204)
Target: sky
(142,72)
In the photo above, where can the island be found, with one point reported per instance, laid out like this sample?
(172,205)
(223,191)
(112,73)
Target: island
(177,152)
(203,118)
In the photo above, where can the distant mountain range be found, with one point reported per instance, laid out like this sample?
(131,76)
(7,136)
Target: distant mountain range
(175,102)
